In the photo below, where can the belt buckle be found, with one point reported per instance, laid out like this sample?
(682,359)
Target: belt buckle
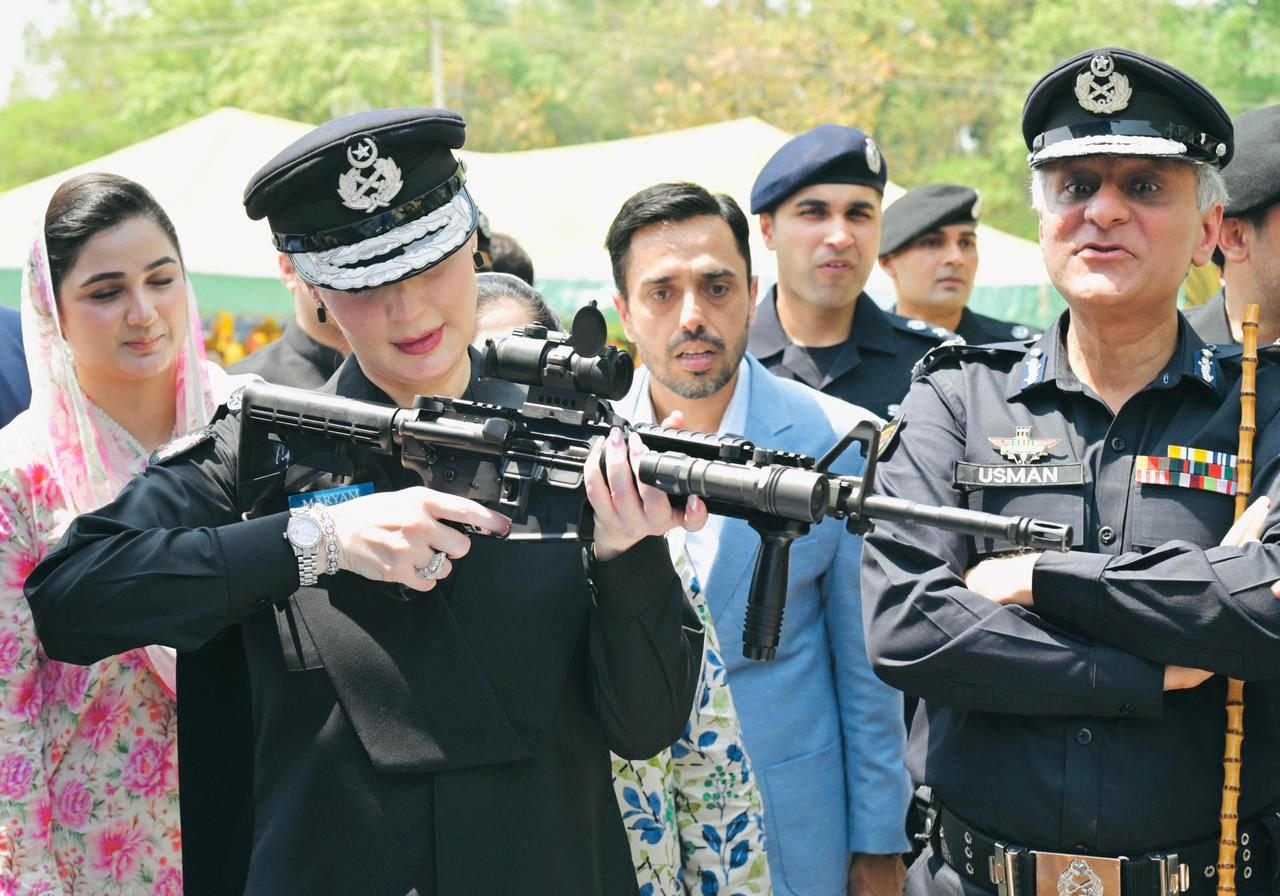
(1003,866)
(1064,874)
(1175,876)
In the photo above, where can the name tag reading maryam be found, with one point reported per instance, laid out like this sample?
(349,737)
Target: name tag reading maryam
(1209,471)
(331,496)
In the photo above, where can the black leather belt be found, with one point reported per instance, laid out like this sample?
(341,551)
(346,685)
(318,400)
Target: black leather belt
(1011,870)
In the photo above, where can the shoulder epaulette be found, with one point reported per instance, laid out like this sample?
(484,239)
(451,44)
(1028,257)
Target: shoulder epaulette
(1232,355)
(182,444)
(961,351)
(921,328)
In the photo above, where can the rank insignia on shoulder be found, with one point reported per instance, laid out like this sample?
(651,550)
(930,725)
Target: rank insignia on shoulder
(1022,449)
(1033,368)
(1197,468)
(889,435)
(1208,365)
(181,445)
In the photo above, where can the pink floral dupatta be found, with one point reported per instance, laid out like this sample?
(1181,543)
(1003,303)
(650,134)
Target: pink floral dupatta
(91,457)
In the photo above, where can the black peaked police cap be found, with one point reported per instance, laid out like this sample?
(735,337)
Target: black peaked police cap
(368,199)
(1113,101)
(924,210)
(1253,177)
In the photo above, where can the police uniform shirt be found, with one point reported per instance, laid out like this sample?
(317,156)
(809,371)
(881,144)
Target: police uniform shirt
(1048,727)
(295,359)
(1210,320)
(871,370)
(15,388)
(443,743)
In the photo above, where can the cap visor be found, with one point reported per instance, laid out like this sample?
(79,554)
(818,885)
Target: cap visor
(1108,145)
(395,255)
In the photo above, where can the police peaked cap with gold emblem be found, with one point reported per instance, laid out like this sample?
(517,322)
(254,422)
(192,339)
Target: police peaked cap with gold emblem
(829,154)
(1120,103)
(369,199)
(924,210)
(1253,177)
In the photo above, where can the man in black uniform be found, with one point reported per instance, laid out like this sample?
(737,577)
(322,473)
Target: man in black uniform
(1074,701)
(1249,244)
(929,249)
(453,742)
(818,200)
(15,388)
(308,352)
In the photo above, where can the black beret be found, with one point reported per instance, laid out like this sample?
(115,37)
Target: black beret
(829,154)
(1253,177)
(924,210)
(367,199)
(1118,102)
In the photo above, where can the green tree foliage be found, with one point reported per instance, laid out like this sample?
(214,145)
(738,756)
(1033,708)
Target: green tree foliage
(939,82)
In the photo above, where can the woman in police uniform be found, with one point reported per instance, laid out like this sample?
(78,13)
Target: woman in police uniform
(453,742)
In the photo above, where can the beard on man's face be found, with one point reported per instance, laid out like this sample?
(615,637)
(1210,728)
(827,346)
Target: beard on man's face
(696,384)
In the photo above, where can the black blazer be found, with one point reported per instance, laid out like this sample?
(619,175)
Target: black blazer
(453,743)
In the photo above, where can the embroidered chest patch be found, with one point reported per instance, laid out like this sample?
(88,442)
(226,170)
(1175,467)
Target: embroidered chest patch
(1023,449)
(1210,471)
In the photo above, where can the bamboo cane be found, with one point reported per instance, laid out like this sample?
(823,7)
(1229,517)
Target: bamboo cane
(1229,816)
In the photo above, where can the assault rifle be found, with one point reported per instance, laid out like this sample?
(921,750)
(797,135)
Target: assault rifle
(529,462)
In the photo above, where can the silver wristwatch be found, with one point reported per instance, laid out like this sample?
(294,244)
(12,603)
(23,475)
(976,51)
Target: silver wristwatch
(308,527)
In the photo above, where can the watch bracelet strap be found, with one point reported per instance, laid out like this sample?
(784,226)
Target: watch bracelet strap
(308,573)
(330,539)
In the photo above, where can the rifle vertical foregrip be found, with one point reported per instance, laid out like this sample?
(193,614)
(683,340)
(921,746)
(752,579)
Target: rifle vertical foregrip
(1229,814)
(762,629)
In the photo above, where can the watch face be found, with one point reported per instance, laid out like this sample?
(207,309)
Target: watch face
(304,532)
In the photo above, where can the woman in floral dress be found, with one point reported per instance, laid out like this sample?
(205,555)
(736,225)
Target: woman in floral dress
(88,755)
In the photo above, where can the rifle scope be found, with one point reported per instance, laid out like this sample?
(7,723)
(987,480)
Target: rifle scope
(579,362)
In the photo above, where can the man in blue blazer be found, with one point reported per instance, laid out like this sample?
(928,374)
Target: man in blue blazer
(15,389)
(825,736)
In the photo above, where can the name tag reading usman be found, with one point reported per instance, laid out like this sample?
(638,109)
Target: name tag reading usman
(1017,475)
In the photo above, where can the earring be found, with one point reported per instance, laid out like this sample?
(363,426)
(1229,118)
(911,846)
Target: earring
(321,315)
(478,260)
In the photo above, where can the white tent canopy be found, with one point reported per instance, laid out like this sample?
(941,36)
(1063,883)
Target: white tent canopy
(198,172)
(556,202)
(559,202)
